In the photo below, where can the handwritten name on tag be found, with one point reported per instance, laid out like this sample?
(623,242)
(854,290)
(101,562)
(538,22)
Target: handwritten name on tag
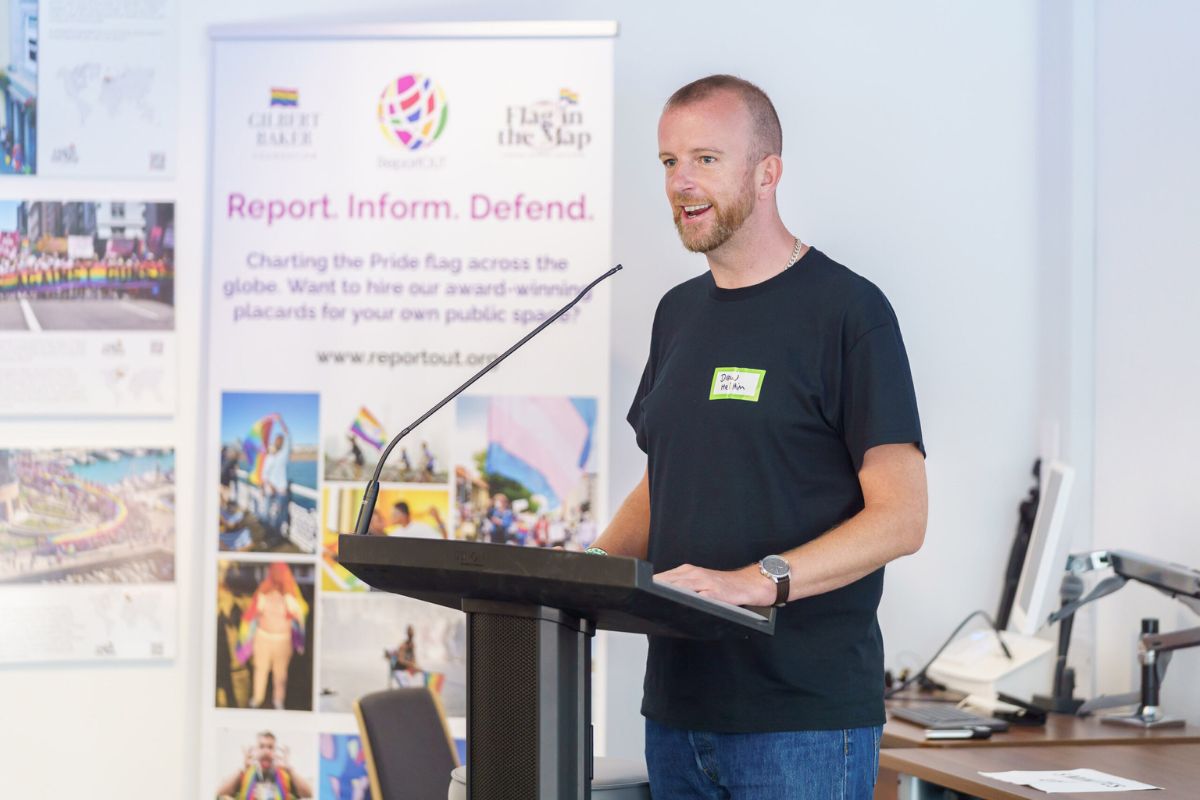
(737,383)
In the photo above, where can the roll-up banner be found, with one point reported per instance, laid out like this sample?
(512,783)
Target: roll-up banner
(390,208)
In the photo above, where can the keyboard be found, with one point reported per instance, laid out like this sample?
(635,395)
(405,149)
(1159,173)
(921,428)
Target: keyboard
(942,716)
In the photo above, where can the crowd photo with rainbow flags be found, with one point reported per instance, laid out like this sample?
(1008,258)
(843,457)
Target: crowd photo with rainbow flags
(87,516)
(87,265)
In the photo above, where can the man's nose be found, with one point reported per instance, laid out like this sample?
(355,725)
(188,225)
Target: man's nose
(681,180)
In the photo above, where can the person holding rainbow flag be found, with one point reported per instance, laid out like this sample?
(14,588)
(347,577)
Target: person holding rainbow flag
(272,629)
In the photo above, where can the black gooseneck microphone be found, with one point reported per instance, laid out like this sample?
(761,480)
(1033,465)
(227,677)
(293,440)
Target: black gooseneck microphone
(372,493)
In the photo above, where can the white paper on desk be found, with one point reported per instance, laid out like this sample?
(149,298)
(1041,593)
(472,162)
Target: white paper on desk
(1072,780)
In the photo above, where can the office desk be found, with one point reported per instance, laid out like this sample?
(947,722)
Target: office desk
(1059,729)
(1175,767)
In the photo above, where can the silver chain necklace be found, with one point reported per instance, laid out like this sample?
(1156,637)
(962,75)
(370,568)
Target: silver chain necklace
(795,254)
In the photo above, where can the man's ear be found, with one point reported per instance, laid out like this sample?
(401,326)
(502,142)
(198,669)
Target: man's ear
(767,175)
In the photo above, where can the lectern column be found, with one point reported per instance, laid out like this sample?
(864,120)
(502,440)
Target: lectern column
(529,733)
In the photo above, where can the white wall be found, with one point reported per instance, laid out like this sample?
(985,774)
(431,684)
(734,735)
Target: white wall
(1065,213)
(911,135)
(909,151)
(1147,329)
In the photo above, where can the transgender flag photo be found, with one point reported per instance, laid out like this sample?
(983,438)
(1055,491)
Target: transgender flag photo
(524,473)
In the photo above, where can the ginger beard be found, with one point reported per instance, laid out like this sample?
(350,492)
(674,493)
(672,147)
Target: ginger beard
(701,236)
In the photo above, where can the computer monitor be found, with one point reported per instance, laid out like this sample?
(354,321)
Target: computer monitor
(1046,559)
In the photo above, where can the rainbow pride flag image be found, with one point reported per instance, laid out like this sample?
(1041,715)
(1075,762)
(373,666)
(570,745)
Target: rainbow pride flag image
(277,583)
(368,429)
(435,681)
(568,97)
(257,444)
(83,516)
(145,276)
(288,98)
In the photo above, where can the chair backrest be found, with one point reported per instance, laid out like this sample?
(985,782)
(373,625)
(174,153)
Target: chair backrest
(409,750)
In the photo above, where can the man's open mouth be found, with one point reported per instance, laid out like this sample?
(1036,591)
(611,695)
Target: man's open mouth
(691,212)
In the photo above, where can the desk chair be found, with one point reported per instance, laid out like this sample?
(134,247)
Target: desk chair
(408,746)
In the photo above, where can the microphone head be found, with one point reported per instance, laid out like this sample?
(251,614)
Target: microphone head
(1071,589)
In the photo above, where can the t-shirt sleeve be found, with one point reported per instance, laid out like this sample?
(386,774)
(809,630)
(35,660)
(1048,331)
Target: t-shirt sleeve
(879,404)
(635,416)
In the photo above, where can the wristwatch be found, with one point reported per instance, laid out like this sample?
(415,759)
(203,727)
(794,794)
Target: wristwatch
(779,570)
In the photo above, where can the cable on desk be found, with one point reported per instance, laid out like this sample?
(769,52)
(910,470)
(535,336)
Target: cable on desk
(921,672)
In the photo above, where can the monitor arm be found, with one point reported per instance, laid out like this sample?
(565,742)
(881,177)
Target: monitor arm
(1154,648)
(1173,580)
(1166,642)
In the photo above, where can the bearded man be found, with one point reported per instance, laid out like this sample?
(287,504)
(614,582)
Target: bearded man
(785,466)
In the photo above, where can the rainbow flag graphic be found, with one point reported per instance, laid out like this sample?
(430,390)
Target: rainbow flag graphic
(280,780)
(279,578)
(256,445)
(568,97)
(285,97)
(369,429)
(435,681)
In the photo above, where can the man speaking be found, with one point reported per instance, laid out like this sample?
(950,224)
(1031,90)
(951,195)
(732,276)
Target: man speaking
(785,466)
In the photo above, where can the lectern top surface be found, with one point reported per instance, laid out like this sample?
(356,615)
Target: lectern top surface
(615,593)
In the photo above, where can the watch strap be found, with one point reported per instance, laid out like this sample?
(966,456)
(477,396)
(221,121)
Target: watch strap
(783,587)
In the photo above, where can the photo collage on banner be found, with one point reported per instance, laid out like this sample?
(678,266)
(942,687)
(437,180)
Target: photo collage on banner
(385,222)
(87,332)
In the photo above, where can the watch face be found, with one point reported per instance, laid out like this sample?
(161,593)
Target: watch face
(776,567)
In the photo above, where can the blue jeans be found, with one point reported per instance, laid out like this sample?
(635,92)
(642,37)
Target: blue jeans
(800,765)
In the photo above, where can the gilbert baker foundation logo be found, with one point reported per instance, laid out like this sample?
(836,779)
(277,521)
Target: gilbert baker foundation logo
(412,111)
(282,130)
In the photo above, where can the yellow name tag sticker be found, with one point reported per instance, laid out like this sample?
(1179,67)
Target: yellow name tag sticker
(737,383)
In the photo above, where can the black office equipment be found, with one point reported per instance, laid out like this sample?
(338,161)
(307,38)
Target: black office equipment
(1062,699)
(1026,513)
(939,716)
(531,615)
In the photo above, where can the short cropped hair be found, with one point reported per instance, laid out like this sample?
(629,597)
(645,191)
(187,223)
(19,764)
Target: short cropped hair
(402,507)
(768,133)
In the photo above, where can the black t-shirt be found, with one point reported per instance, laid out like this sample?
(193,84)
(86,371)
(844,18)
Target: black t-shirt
(755,410)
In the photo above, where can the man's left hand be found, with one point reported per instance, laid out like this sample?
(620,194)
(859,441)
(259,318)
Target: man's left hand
(742,587)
